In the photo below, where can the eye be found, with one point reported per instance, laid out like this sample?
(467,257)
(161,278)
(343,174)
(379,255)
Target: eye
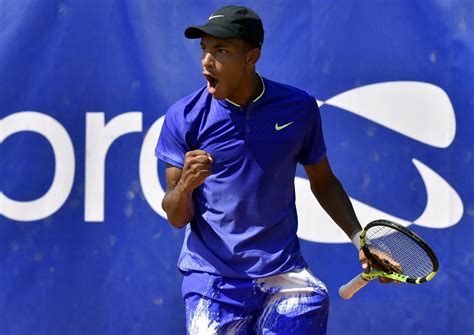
(222,51)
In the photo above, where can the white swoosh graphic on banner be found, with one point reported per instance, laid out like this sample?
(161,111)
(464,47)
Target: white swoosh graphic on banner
(418,110)
(421,111)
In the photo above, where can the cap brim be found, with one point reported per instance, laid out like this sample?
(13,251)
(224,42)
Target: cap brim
(212,30)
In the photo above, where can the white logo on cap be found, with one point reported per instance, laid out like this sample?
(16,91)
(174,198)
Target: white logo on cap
(214,16)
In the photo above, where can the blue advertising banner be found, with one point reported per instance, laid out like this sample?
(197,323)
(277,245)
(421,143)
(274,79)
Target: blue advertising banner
(85,247)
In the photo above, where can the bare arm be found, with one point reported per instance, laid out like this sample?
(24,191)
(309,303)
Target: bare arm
(177,202)
(180,183)
(333,198)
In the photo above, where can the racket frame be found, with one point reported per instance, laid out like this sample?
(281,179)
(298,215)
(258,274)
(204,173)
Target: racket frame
(393,275)
(347,290)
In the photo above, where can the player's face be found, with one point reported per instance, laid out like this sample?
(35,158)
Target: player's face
(224,64)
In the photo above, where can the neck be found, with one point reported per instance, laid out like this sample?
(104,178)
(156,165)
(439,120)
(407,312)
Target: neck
(250,89)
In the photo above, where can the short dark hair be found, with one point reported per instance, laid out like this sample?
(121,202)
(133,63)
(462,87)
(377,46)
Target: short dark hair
(250,46)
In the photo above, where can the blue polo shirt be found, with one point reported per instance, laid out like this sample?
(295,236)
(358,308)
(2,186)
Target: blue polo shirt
(245,219)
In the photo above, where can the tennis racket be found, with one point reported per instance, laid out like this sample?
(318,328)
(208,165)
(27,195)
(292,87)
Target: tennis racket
(396,253)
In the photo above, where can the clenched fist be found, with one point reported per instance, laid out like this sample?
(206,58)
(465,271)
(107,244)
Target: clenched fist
(197,167)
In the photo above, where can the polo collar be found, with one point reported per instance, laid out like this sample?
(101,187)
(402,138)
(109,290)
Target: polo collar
(256,99)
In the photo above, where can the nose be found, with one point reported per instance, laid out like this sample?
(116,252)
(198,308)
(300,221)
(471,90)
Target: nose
(207,60)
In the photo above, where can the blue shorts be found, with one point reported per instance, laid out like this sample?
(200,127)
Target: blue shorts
(289,303)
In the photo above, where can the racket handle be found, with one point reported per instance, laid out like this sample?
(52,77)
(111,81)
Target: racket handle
(348,290)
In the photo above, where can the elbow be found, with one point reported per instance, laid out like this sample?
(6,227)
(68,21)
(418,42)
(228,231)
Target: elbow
(177,221)
(177,224)
(178,216)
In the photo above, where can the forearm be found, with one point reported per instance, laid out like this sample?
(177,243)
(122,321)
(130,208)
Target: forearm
(179,207)
(333,198)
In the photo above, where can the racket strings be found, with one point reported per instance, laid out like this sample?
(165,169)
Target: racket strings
(413,259)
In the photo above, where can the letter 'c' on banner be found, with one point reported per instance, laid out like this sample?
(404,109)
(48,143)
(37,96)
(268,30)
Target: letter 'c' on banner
(149,180)
(64,170)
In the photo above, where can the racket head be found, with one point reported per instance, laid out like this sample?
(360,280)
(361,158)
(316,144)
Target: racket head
(415,262)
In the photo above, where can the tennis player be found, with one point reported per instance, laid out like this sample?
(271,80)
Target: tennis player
(231,149)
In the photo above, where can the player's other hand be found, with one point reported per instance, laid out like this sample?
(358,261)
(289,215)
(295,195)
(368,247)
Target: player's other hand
(197,167)
(389,264)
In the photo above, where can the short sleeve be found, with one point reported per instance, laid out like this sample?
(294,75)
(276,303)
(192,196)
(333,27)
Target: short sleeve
(313,149)
(172,146)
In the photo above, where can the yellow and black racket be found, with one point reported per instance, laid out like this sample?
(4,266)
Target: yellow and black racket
(396,253)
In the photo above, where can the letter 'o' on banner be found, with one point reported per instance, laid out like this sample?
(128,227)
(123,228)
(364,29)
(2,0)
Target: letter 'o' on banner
(63,150)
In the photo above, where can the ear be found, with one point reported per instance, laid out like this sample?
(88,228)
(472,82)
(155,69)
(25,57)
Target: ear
(253,56)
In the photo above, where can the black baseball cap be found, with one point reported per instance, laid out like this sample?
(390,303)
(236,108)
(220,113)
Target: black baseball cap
(231,22)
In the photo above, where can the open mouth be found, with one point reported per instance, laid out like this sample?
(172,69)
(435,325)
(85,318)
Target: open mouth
(212,82)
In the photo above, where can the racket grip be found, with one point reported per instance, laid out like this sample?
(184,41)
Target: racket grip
(348,290)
